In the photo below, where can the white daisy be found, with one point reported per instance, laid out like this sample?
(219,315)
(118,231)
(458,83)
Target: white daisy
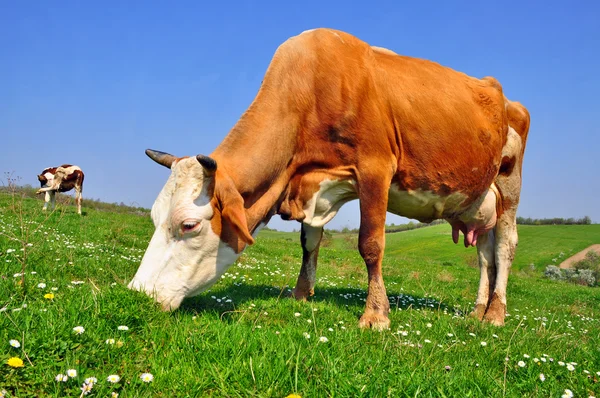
(15,343)
(86,388)
(113,378)
(146,377)
(78,329)
(568,394)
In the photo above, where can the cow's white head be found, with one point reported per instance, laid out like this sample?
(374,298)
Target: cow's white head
(201,229)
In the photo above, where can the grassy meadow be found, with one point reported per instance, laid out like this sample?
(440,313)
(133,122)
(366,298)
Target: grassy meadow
(65,310)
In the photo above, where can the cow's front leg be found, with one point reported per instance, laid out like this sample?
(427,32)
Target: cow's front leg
(371,243)
(487,269)
(78,199)
(310,238)
(46,200)
(52,199)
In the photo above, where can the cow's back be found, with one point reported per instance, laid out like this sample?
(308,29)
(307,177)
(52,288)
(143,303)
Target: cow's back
(443,129)
(329,101)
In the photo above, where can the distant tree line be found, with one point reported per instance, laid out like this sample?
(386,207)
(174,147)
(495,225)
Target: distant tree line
(411,225)
(554,221)
(392,227)
(520,220)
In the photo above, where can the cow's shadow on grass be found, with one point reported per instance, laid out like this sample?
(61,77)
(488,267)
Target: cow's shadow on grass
(238,298)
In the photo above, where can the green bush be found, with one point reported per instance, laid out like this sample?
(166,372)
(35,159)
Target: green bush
(590,264)
(585,272)
(554,273)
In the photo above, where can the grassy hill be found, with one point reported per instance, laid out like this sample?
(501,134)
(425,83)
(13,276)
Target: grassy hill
(245,338)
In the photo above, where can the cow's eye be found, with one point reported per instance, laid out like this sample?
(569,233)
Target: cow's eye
(189,226)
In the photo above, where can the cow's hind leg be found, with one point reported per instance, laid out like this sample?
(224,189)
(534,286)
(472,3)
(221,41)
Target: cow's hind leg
(505,247)
(487,269)
(371,243)
(508,182)
(311,240)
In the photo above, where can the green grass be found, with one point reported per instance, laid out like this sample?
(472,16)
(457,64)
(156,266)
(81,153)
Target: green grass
(243,338)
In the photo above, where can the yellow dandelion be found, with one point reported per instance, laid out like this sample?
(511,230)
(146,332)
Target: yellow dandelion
(49,296)
(15,362)
(294,396)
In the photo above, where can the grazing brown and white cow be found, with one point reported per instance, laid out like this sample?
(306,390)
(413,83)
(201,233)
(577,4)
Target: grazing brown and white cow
(335,120)
(61,179)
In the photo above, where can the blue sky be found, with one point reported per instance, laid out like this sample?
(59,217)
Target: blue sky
(96,83)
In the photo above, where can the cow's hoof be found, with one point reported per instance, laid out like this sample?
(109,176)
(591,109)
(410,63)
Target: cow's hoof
(493,320)
(496,312)
(478,312)
(375,321)
(300,294)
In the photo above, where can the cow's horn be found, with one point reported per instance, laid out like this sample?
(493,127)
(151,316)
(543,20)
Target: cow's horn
(209,164)
(162,158)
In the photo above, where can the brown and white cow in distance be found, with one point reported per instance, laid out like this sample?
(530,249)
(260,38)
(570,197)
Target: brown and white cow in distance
(335,120)
(61,179)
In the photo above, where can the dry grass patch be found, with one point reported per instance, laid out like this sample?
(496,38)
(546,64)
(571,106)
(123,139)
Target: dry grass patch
(415,275)
(472,261)
(445,276)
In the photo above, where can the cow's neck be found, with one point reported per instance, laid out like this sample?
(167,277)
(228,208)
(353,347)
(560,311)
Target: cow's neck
(256,154)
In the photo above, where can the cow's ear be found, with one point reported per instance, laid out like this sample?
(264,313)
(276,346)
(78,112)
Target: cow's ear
(232,209)
(235,214)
